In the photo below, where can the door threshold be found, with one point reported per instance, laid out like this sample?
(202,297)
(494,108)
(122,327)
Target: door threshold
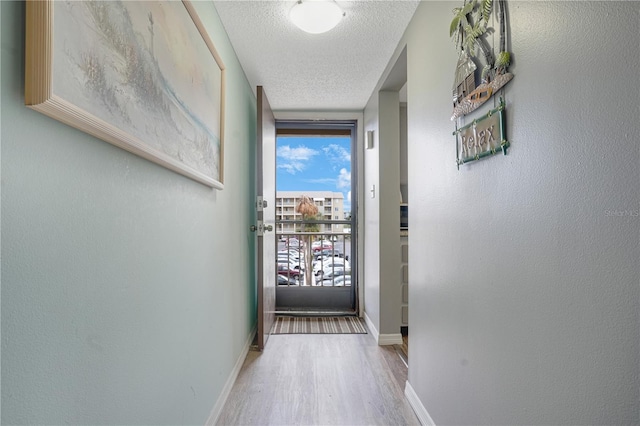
(300,312)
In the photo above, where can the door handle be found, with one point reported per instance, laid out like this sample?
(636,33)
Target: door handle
(254,228)
(260,228)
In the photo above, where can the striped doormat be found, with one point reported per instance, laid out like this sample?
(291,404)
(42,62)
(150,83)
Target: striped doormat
(318,325)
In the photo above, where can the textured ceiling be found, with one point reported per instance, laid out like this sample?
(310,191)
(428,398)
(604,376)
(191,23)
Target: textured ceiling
(337,70)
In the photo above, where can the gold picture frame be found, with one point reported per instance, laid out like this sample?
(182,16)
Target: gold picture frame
(143,76)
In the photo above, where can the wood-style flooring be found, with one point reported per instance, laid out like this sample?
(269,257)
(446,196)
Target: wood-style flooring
(320,379)
(403,350)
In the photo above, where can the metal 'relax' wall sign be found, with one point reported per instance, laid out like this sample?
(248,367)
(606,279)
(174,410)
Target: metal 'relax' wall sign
(483,137)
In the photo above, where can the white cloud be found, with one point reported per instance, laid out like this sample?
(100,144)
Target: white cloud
(294,160)
(337,154)
(320,180)
(344,179)
(300,153)
(347,202)
(343,182)
(292,168)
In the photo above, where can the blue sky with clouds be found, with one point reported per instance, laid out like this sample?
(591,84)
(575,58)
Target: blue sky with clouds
(314,164)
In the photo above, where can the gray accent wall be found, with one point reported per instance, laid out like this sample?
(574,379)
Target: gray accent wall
(525,275)
(128,291)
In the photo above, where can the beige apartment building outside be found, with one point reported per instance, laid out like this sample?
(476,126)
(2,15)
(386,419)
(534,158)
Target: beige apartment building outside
(330,206)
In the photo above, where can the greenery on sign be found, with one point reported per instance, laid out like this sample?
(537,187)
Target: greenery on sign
(468,28)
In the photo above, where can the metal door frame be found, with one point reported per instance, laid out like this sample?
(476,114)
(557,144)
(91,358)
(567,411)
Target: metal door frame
(335,297)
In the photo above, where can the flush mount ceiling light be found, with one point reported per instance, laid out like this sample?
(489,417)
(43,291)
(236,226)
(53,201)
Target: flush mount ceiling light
(316,16)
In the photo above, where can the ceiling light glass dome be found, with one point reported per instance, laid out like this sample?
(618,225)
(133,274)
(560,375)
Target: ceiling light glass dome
(316,16)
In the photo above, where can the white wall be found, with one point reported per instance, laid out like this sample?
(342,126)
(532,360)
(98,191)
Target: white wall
(524,279)
(383,289)
(128,291)
(389,226)
(404,179)
(371,211)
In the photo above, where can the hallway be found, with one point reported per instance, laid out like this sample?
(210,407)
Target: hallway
(325,379)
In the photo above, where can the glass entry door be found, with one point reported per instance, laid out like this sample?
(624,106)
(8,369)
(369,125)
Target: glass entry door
(315,216)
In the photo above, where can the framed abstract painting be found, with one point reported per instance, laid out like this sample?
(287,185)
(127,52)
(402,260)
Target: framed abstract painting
(141,75)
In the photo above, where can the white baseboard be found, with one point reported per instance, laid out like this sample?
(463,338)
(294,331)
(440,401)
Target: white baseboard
(421,412)
(389,339)
(382,339)
(372,328)
(226,390)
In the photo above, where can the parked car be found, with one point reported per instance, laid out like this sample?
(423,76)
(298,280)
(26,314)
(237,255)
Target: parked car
(322,253)
(294,242)
(341,281)
(327,255)
(284,269)
(291,255)
(330,263)
(287,258)
(333,272)
(298,251)
(321,245)
(330,256)
(290,264)
(284,280)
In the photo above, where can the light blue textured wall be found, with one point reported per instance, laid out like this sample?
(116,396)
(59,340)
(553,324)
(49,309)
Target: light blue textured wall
(127,289)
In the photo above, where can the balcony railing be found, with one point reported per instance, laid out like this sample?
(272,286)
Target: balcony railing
(318,259)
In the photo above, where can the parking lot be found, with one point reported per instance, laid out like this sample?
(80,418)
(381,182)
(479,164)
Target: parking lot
(328,261)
